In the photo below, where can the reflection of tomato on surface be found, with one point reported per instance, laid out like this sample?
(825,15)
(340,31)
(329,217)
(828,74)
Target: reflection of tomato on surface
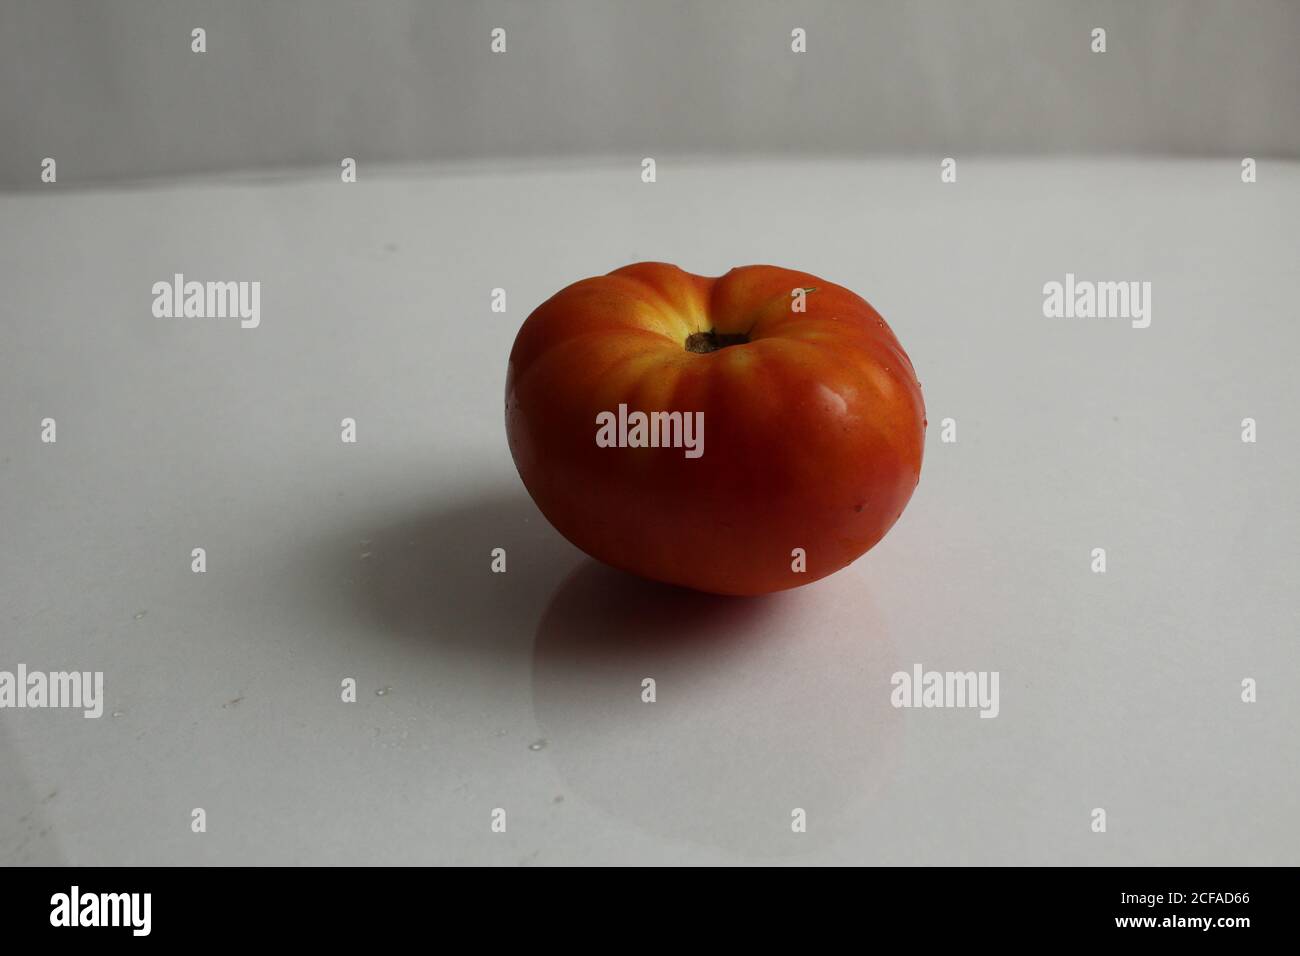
(813,424)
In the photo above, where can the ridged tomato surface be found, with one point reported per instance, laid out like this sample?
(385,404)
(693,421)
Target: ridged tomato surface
(813,424)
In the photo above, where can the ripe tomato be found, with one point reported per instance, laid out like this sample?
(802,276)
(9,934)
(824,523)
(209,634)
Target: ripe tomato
(797,429)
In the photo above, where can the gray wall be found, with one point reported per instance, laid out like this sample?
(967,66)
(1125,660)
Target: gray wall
(111,90)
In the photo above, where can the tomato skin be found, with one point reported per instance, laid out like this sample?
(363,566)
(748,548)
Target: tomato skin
(813,429)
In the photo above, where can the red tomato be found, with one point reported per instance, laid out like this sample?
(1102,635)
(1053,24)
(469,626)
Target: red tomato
(798,433)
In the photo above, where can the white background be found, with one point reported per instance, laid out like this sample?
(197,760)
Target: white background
(111,89)
(522,691)
(371,561)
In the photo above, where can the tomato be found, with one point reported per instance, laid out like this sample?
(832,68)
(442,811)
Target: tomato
(797,444)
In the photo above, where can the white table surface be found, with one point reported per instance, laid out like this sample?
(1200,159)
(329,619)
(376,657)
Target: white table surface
(371,561)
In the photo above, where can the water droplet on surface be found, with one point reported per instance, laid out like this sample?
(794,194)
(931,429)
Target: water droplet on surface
(140,614)
(118,713)
(383,692)
(366,554)
(537,745)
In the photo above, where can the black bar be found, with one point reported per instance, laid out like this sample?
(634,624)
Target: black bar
(240,905)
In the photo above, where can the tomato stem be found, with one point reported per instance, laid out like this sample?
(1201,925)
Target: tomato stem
(711,341)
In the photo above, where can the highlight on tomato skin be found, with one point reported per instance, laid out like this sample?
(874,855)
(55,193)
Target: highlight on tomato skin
(739,435)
